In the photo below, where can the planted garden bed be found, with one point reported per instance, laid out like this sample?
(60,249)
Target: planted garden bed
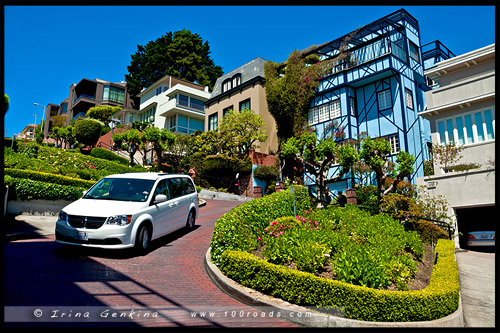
(345,257)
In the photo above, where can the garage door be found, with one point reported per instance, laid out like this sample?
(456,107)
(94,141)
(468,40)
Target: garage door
(475,219)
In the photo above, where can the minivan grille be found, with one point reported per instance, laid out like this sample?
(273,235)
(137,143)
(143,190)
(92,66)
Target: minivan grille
(88,222)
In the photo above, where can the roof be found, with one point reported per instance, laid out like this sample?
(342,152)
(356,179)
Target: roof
(248,71)
(143,175)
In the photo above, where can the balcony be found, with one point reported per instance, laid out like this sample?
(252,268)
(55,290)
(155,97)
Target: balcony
(177,106)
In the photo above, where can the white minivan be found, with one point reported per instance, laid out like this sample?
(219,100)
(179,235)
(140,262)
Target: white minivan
(129,210)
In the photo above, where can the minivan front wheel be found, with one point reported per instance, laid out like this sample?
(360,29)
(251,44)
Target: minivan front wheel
(143,239)
(190,220)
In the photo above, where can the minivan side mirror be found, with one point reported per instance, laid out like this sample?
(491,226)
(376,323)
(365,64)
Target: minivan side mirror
(160,198)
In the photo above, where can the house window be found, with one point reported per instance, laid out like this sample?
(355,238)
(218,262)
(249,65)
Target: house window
(409,98)
(212,122)
(335,109)
(324,112)
(113,94)
(312,116)
(394,141)
(352,106)
(414,54)
(225,111)
(384,99)
(226,85)
(182,100)
(236,80)
(245,104)
(474,127)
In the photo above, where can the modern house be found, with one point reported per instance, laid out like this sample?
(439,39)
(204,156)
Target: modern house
(85,95)
(461,110)
(171,103)
(378,88)
(238,89)
(28,133)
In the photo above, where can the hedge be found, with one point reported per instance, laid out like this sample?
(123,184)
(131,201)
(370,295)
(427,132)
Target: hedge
(108,155)
(239,228)
(49,178)
(27,189)
(440,298)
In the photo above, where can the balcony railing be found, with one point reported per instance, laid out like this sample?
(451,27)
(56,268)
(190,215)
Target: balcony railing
(84,96)
(370,52)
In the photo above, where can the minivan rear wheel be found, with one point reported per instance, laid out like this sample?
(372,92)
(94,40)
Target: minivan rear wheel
(143,239)
(190,220)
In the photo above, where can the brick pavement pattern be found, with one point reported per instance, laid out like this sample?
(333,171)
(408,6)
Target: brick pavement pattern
(169,284)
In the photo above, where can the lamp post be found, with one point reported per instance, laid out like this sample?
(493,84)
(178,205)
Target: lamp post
(43,119)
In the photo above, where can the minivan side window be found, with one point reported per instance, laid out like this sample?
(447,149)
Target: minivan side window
(176,187)
(162,188)
(188,186)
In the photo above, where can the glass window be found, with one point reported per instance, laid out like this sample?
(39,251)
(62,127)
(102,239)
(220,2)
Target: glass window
(176,187)
(384,99)
(236,80)
(442,135)
(227,110)
(212,122)
(409,98)
(197,104)
(182,100)
(335,109)
(188,186)
(394,141)
(414,54)
(113,94)
(460,131)
(352,106)
(245,104)
(182,121)
(449,129)
(323,113)
(468,127)
(196,124)
(490,134)
(312,116)
(479,126)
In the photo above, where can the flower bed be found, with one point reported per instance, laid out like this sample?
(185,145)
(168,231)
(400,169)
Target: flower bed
(438,300)
(366,255)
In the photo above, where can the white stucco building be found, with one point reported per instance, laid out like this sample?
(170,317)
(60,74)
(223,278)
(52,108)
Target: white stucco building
(171,103)
(461,109)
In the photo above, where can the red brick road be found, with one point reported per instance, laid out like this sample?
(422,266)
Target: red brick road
(170,284)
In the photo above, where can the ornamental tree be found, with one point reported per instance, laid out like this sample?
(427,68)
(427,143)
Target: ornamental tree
(103,112)
(181,53)
(243,129)
(319,155)
(375,154)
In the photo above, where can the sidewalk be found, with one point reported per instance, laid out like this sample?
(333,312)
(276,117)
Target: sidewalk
(477,287)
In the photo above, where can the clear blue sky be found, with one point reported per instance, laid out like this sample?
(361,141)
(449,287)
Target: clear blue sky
(48,48)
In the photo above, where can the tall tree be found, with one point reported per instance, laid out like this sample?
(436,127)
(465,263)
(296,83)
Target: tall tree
(181,54)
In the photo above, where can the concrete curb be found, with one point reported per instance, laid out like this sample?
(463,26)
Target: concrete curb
(314,319)
(206,194)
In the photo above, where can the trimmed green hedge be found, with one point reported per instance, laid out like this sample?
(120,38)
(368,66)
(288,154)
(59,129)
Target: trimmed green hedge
(239,228)
(49,178)
(439,299)
(26,189)
(108,155)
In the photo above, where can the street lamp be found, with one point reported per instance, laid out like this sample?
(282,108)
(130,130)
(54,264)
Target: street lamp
(43,119)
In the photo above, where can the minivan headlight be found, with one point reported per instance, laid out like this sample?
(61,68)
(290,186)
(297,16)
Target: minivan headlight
(62,216)
(119,220)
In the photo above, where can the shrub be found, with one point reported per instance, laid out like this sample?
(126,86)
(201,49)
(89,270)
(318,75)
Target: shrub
(440,298)
(48,178)
(220,170)
(428,231)
(108,155)
(26,189)
(87,131)
(267,173)
(240,227)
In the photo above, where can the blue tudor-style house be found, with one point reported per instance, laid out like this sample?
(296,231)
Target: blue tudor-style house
(379,88)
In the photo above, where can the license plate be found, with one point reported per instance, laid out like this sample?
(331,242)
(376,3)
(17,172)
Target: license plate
(83,236)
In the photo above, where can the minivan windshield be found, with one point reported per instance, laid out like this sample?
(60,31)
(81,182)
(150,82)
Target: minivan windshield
(122,189)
